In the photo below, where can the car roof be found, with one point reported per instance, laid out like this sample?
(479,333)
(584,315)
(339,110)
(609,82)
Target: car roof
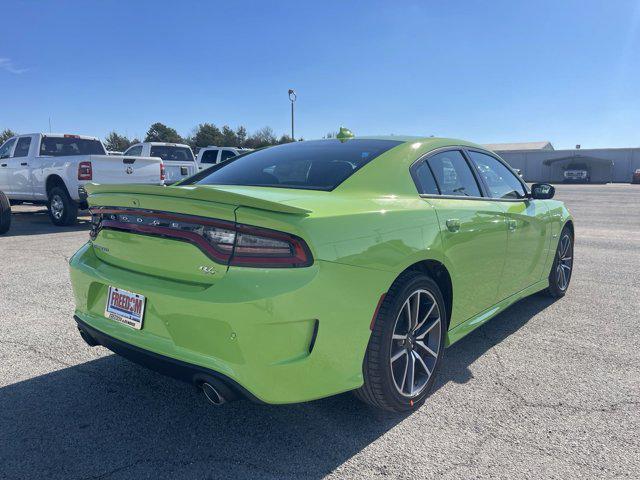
(417,138)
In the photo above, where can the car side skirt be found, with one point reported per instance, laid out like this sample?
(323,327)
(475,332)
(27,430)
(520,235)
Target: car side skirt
(483,317)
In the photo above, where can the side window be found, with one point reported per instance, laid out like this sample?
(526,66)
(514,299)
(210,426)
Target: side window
(501,181)
(134,151)
(22,148)
(424,179)
(210,156)
(453,174)
(5,150)
(226,155)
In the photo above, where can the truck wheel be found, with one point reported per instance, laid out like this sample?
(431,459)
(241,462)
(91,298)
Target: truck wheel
(5,214)
(62,209)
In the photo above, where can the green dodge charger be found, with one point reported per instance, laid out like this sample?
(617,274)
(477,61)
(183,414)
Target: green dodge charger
(313,268)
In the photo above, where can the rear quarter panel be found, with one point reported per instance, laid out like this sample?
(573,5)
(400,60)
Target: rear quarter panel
(382,233)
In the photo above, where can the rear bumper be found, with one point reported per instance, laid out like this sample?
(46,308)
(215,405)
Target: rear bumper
(280,335)
(171,367)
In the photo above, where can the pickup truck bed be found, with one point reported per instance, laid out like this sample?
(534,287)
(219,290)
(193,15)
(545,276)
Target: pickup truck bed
(53,169)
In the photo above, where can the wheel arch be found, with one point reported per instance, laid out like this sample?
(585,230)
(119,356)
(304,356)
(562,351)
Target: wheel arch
(439,273)
(54,180)
(569,224)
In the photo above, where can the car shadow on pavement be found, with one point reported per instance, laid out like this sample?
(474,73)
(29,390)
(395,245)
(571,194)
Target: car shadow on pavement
(37,222)
(109,418)
(466,351)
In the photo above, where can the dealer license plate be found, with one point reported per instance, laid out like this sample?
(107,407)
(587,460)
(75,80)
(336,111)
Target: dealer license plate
(125,307)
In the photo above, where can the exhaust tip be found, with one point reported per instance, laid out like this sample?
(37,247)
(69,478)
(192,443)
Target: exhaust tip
(212,394)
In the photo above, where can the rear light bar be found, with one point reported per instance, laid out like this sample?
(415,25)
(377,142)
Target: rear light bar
(85,171)
(225,242)
(162,172)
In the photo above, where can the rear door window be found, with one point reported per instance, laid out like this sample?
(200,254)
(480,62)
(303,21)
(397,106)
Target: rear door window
(22,148)
(424,179)
(210,156)
(453,174)
(310,165)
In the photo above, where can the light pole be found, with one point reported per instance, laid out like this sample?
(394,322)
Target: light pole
(292,99)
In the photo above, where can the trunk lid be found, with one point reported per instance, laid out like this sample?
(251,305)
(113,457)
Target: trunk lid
(138,249)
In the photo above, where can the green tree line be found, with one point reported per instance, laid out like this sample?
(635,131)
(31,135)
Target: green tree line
(203,135)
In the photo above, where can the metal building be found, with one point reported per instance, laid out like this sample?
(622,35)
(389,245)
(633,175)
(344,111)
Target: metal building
(539,162)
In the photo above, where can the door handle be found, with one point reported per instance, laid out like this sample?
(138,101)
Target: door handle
(453,225)
(24,164)
(512,224)
(3,165)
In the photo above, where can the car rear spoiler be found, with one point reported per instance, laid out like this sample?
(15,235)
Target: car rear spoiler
(197,192)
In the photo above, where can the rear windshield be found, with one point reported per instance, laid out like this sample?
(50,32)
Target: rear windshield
(172,154)
(67,146)
(310,165)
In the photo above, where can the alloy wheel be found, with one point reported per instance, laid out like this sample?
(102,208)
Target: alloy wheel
(415,343)
(565,262)
(57,207)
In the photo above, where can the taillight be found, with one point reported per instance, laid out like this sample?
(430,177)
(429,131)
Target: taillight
(162,174)
(85,171)
(260,247)
(225,242)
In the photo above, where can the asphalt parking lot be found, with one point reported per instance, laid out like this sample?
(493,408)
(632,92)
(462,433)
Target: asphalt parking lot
(545,390)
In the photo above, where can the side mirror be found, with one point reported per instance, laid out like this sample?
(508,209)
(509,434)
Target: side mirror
(542,191)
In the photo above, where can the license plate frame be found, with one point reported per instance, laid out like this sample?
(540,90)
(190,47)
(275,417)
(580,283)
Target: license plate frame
(125,307)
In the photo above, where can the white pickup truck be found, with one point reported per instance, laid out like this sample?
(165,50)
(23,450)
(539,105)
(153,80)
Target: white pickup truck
(178,159)
(211,155)
(51,169)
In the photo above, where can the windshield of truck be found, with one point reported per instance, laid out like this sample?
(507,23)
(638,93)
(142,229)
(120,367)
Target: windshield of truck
(172,154)
(67,146)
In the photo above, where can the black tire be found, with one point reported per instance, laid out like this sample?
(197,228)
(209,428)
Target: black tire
(380,389)
(559,281)
(5,214)
(63,210)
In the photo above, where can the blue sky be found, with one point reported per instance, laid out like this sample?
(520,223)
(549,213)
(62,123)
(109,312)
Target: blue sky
(488,71)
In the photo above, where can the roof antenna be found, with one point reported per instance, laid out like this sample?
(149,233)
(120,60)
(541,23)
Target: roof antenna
(49,124)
